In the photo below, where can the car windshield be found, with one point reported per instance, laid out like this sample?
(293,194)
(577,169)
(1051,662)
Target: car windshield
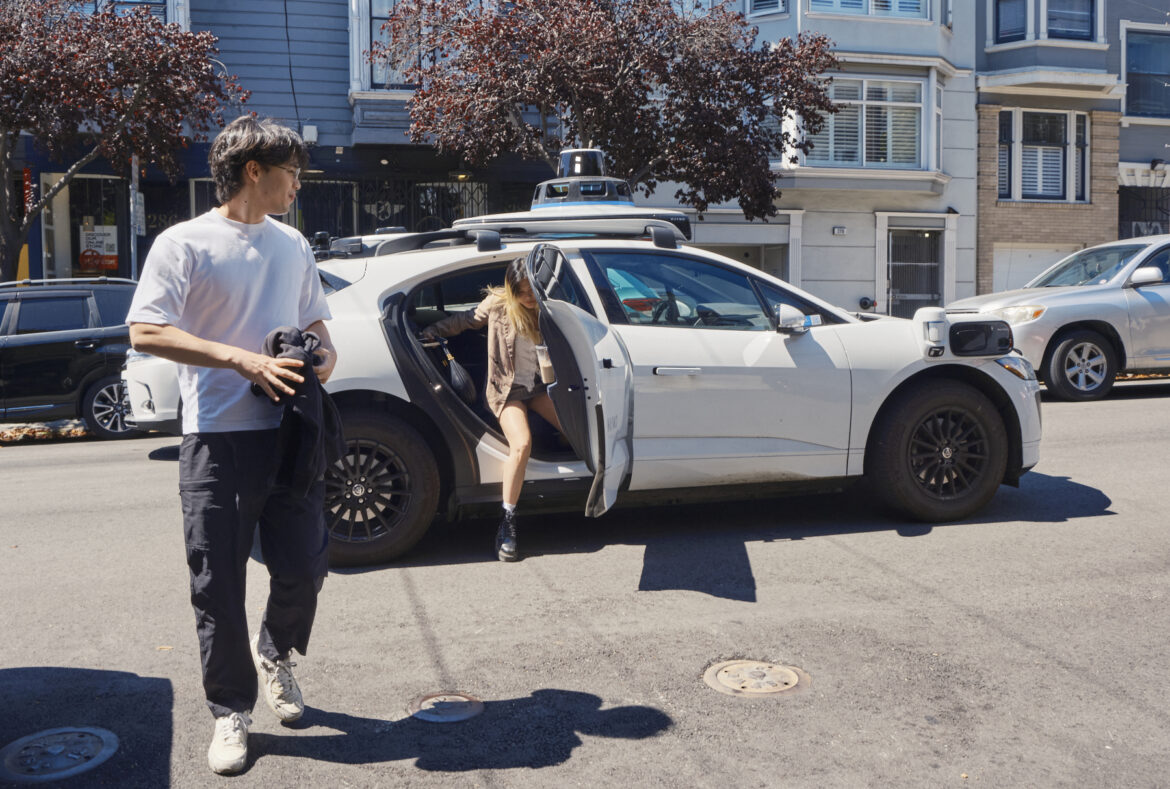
(1088,267)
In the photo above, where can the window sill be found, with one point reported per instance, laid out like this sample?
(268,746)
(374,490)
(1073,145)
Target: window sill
(876,178)
(768,16)
(1067,43)
(380,95)
(1007,202)
(1144,120)
(871,17)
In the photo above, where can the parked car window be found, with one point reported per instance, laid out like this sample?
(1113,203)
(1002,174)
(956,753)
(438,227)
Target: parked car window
(1092,266)
(113,304)
(62,313)
(672,290)
(1160,261)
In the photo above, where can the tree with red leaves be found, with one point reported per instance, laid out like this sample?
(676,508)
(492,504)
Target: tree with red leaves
(106,85)
(671,91)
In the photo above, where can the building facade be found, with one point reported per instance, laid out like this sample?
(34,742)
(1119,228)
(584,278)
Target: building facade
(1074,125)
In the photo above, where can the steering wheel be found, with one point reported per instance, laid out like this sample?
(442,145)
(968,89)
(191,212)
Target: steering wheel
(665,311)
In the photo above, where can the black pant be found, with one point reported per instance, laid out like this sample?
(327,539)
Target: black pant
(227,482)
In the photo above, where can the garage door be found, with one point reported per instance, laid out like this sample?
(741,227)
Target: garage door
(1016,265)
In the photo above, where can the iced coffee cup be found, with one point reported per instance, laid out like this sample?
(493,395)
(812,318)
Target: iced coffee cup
(546,369)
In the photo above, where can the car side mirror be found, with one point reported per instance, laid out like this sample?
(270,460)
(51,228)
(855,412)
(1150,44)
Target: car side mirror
(790,320)
(1146,275)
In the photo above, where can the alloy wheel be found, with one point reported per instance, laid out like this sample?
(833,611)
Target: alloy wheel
(1085,366)
(367,492)
(110,410)
(949,452)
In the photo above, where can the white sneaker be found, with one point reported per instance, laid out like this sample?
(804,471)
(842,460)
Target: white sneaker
(229,745)
(278,685)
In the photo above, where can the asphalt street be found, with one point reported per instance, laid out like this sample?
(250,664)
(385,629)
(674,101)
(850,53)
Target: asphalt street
(1022,648)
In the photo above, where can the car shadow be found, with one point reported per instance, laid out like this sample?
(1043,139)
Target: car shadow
(540,730)
(136,709)
(704,547)
(1140,389)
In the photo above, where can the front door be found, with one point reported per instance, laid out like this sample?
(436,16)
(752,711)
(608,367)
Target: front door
(719,396)
(593,391)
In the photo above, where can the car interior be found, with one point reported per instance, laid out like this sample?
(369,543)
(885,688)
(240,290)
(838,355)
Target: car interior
(462,291)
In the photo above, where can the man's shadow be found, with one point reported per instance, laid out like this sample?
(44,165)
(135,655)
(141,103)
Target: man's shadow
(540,730)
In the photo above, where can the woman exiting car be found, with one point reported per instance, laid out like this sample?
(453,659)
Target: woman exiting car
(514,380)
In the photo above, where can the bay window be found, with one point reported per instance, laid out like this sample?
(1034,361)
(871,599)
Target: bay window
(1071,19)
(879,124)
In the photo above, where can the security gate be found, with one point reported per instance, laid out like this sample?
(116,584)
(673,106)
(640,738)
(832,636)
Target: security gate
(915,270)
(1143,211)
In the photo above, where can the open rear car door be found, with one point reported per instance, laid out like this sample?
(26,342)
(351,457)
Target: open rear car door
(593,391)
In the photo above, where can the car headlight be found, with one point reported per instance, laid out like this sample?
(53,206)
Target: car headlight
(1018,366)
(1021,313)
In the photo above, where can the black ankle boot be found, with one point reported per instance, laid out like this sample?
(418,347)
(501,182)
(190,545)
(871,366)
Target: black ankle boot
(506,547)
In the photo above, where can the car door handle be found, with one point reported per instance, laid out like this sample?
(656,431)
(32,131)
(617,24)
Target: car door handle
(677,370)
(86,345)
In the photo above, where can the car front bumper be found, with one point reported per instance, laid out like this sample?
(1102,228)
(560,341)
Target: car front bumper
(152,389)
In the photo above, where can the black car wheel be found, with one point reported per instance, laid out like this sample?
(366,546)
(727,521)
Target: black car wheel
(104,409)
(1081,366)
(381,496)
(938,453)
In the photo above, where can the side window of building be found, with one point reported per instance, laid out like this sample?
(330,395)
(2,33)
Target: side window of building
(878,124)
(1011,20)
(1043,155)
(113,304)
(677,291)
(1147,66)
(56,313)
(1071,19)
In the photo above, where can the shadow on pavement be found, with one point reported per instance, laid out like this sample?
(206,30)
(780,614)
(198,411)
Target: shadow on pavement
(703,547)
(540,730)
(137,709)
(165,453)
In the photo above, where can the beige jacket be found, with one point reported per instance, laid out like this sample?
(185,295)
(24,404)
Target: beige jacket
(501,345)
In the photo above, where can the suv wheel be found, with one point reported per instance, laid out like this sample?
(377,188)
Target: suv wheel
(1081,366)
(938,453)
(104,409)
(381,496)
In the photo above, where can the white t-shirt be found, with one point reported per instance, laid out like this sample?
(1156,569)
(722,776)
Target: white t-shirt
(233,283)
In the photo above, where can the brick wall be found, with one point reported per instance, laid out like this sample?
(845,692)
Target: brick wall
(1019,222)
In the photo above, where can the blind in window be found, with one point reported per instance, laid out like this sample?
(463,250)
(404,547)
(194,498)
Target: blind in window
(839,6)
(839,141)
(1070,18)
(906,8)
(1042,172)
(761,6)
(1010,20)
(892,135)
(1147,57)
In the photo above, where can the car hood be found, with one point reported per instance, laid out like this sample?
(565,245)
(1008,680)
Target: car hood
(1009,298)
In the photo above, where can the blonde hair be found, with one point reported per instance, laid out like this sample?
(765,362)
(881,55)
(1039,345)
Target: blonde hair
(523,320)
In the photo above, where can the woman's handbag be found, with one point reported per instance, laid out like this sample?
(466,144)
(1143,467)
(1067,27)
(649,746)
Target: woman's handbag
(458,377)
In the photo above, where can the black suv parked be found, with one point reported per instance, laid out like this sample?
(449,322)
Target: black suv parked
(62,346)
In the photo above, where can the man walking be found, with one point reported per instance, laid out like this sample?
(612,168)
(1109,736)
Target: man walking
(212,288)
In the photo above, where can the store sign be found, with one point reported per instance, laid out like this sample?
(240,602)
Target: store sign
(99,248)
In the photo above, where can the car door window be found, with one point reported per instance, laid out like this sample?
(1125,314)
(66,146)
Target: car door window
(58,313)
(113,304)
(775,296)
(674,290)
(1160,261)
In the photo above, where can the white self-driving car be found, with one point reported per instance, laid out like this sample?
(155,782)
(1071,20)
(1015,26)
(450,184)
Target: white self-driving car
(679,373)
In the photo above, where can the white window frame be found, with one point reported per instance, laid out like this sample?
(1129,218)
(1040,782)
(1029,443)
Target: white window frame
(1070,163)
(1141,27)
(926,152)
(780,9)
(1098,25)
(1034,37)
(360,78)
(869,12)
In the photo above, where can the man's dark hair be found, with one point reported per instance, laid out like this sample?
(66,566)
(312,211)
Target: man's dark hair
(248,139)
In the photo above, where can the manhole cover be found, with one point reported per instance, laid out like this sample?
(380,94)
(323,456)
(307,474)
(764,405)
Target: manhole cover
(754,678)
(445,707)
(55,754)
